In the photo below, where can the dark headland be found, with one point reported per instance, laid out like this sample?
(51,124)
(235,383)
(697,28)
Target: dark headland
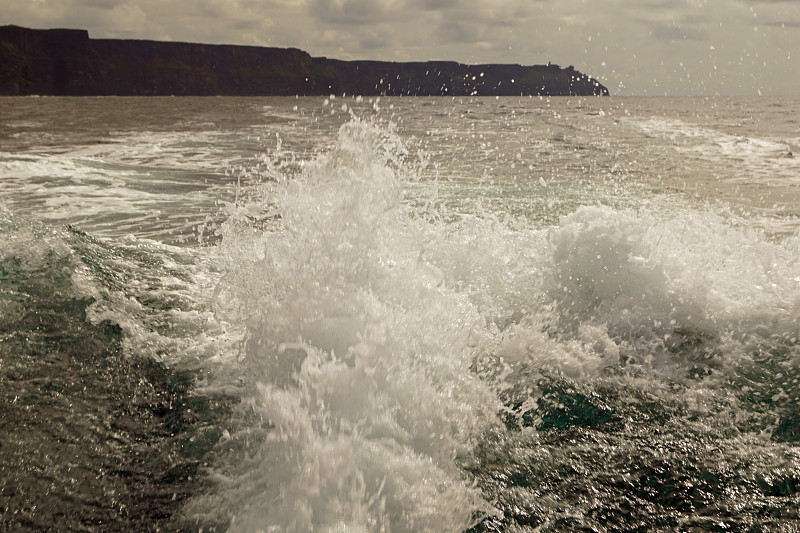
(63,62)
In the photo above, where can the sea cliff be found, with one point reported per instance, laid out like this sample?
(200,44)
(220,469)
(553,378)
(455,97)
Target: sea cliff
(68,63)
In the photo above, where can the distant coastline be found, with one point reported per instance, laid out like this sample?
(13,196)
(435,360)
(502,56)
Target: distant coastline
(66,62)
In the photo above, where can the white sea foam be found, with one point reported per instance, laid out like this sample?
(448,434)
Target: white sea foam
(358,357)
(381,337)
(376,326)
(653,283)
(765,159)
(375,330)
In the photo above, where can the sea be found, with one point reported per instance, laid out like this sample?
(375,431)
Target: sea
(389,315)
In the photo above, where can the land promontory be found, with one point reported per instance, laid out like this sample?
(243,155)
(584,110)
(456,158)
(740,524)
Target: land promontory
(67,62)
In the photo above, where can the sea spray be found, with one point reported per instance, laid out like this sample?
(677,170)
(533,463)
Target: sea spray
(641,341)
(386,338)
(660,284)
(686,414)
(361,399)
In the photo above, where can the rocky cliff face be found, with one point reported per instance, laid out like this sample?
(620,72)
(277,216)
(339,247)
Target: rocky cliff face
(69,63)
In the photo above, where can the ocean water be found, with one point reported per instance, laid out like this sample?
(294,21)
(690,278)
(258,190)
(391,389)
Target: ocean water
(400,315)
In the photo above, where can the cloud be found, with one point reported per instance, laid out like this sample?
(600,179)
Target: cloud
(457,31)
(785,24)
(375,40)
(103,4)
(671,33)
(437,5)
(477,12)
(126,18)
(504,12)
(355,11)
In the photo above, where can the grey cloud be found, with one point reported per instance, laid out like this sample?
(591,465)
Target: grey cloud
(669,33)
(685,21)
(644,10)
(350,11)
(373,41)
(483,11)
(246,24)
(437,5)
(211,9)
(783,24)
(103,4)
(455,31)
(658,4)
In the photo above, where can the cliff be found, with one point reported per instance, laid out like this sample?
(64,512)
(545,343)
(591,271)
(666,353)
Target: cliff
(69,63)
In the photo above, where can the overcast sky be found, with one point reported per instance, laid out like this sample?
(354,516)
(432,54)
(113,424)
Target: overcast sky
(634,47)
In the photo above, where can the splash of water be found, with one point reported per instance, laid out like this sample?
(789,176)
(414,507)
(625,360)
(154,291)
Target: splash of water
(358,356)
(383,343)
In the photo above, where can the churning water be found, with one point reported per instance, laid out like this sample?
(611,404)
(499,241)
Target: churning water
(403,315)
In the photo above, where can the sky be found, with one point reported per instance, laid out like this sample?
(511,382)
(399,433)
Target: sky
(633,47)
